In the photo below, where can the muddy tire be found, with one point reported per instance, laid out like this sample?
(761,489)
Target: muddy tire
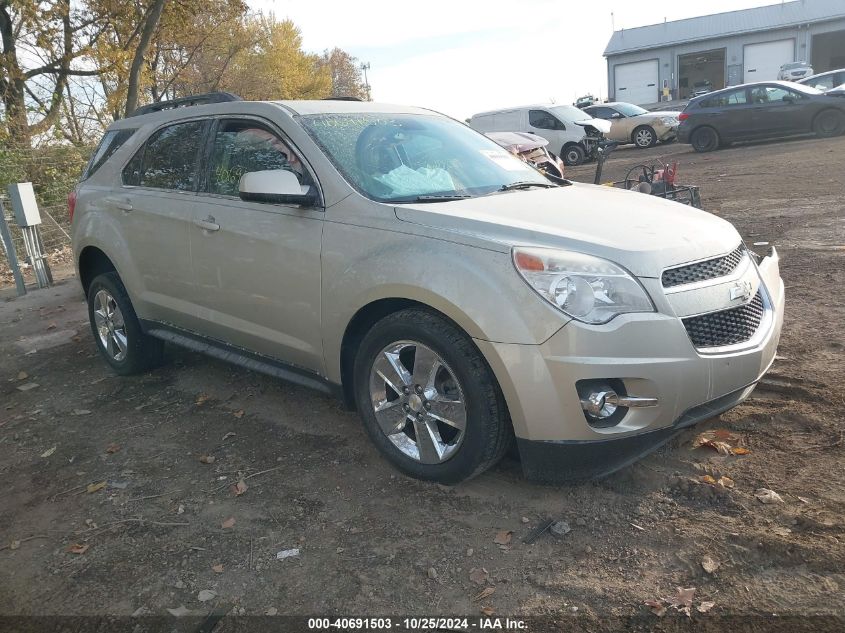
(428,399)
(644,137)
(116,329)
(705,139)
(829,123)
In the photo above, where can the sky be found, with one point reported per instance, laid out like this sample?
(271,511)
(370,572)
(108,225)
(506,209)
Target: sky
(460,57)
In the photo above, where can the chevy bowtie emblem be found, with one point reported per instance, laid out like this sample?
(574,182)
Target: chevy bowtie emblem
(741,290)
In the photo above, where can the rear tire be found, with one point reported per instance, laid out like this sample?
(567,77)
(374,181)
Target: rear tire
(573,155)
(644,137)
(415,351)
(705,139)
(116,328)
(829,123)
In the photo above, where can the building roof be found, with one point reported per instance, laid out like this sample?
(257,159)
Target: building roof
(721,24)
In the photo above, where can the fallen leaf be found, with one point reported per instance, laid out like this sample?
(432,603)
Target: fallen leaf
(51,326)
(781,531)
(217,569)
(239,488)
(239,414)
(488,611)
(707,479)
(14,545)
(657,607)
(764,495)
(230,522)
(207,459)
(95,487)
(683,598)
(206,594)
(704,607)
(478,576)
(503,537)
(485,593)
(201,399)
(78,548)
(48,452)
(719,439)
(112,448)
(739,450)
(726,482)
(710,564)
(22,375)
(179,611)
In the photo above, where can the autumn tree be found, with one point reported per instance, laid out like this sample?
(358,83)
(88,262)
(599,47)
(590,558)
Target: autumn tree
(345,73)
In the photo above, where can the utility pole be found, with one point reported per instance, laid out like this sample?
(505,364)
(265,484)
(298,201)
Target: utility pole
(365,67)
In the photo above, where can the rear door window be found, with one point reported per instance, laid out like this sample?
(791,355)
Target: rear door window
(169,158)
(543,120)
(734,97)
(110,143)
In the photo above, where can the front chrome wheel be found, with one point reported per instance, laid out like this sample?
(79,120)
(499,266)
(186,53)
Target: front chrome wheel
(418,402)
(110,325)
(644,138)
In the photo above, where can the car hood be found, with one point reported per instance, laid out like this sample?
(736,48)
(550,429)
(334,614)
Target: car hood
(643,233)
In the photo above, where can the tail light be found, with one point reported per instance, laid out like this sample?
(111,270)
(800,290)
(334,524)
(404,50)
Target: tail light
(71,204)
(683,116)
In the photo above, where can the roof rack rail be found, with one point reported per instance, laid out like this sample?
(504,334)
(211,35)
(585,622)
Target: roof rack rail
(183,102)
(342,99)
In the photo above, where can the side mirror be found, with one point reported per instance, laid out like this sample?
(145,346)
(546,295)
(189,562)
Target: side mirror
(276,186)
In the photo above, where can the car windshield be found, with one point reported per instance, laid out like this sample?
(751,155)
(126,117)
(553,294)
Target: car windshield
(406,157)
(794,65)
(629,109)
(569,113)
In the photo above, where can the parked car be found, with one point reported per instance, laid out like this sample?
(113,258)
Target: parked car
(565,127)
(701,88)
(825,81)
(586,100)
(400,260)
(759,110)
(632,124)
(794,71)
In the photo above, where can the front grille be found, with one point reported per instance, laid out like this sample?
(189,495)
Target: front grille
(727,327)
(710,269)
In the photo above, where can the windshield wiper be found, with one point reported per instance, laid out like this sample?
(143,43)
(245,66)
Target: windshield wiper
(432,198)
(525,185)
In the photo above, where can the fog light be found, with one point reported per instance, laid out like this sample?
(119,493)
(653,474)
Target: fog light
(601,404)
(605,402)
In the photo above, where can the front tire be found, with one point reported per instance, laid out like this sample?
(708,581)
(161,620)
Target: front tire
(644,137)
(116,328)
(829,123)
(705,139)
(573,155)
(428,399)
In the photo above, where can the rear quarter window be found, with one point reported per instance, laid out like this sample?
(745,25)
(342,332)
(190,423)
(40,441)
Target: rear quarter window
(109,144)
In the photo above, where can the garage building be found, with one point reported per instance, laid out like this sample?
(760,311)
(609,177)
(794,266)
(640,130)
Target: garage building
(669,61)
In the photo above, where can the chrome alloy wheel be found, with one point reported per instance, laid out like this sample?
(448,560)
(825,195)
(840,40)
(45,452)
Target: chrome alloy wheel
(418,402)
(644,138)
(111,327)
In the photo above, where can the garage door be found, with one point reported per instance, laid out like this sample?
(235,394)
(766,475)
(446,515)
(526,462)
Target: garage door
(636,82)
(763,61)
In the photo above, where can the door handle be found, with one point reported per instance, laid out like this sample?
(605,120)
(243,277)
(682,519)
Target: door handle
(209,224)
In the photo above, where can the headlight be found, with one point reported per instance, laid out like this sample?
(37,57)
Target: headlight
(669,121)
(587,288)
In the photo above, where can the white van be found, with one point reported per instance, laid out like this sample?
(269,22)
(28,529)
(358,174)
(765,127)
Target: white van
(563,126)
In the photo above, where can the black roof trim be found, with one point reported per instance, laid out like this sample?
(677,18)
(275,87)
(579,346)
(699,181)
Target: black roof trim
(342,99)
(184,102)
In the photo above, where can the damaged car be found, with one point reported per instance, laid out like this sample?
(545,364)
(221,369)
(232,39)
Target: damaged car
(632,124)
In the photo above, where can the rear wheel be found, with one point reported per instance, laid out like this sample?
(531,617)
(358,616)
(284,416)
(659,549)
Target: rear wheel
(116,329)
(573,155)
(428,400)
(644,137)
(829,123)
(705,139)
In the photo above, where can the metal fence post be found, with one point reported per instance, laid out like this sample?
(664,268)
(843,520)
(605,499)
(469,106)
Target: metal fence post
(11,255)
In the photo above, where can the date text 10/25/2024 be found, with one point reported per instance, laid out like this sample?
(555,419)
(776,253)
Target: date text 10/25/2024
(417,624)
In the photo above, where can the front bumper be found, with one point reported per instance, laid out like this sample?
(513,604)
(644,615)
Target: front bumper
(652,355)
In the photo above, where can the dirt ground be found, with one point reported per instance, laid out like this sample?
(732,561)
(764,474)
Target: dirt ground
(110,467)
